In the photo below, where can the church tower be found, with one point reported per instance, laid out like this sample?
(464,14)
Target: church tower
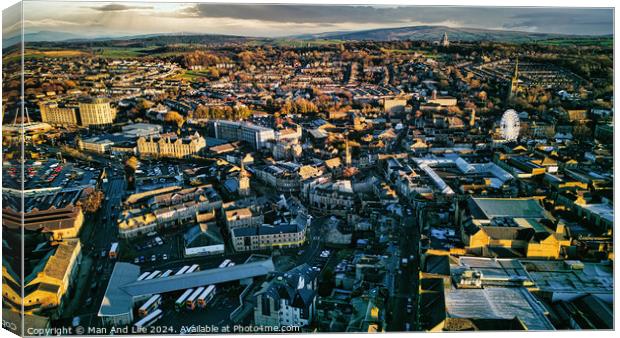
(244,182)
(444,41)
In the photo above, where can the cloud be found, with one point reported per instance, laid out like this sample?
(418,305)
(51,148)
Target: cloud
(556,20)
(118,8)
(301,13)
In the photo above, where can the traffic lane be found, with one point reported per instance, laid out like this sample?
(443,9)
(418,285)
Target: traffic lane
(406,282)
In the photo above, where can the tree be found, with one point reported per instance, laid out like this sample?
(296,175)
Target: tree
(93,201)
(174,117)
(132,163)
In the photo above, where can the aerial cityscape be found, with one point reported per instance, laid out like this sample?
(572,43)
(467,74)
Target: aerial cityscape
(197,168)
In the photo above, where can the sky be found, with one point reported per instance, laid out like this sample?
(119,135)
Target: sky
(97,19)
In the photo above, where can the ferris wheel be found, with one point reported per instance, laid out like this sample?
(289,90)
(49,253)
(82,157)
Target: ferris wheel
(509,125)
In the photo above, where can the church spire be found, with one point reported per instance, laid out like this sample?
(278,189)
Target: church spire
(444,41)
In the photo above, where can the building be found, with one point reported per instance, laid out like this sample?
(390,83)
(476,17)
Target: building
(133,226)
(45,288)
(444,40)
(257,136)
(510,228)
(53,114)
(395,105)
(103,143)
(170,145)
(286,176)
(441,101)
(243,217)
(124,289)
(244,182)
(65,222)
(202,240)
(486,288)
(328,196)
(282,234)
(288,298)
(136,130)
(97,112)
(166,207)
(56,214)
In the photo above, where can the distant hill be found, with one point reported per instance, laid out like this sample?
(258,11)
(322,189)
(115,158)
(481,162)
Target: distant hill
(434,33)
(69,39)
(39,36)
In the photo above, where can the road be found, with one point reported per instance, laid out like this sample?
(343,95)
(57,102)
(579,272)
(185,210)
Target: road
(97,235)
(407,281)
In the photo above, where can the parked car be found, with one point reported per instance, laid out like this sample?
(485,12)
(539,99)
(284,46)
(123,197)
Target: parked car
(76,321)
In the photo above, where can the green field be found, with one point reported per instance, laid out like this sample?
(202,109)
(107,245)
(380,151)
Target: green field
(190,75)
(602,42)
(427,54)
(295,43)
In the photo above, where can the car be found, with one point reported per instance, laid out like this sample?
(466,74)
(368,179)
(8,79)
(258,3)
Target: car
(141,259)
(136,260)
(76,321)
(103,253)
(164,257)
(159,241)
(153,258)
(89,301)
(300,252)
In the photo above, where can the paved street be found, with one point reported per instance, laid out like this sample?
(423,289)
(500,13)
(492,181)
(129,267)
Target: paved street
(407,280)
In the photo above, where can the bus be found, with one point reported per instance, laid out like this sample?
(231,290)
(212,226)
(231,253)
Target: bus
(206,296)
(193,268)
(144,275)
(113,250)
(148,320)
(150,305)
(166,274)
(153,275)
(190,302)
(182,271)
(179,304)
(225,263)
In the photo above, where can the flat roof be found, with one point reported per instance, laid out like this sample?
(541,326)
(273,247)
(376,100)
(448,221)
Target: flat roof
(124,285)
(506,207)
(200,278)
(497,303)
(115,300)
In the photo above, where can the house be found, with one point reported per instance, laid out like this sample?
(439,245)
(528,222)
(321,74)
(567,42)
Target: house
(288,298)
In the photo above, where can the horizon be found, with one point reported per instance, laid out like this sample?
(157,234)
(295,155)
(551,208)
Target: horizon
(79,20)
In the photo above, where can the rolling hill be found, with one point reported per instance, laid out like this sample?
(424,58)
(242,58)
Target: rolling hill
(434,33)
